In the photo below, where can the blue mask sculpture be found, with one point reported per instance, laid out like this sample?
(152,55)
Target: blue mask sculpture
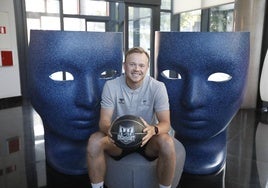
(67,71)
(205,75)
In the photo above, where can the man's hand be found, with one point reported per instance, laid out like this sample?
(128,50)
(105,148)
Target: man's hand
(150,130)
(110,137)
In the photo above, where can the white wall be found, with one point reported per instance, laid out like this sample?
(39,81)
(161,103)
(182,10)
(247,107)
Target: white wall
(9,75)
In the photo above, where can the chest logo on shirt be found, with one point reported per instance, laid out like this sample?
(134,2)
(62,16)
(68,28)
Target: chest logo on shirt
(121,101)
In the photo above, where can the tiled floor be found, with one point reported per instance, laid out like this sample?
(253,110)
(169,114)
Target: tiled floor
(22,159)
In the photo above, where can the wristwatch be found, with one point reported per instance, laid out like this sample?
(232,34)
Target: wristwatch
(156,130)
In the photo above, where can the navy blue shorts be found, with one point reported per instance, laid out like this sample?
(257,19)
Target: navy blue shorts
(140,150)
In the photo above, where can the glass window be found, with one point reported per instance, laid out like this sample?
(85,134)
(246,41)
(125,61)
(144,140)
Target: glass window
(86,7)
(41,6)
(190,21)
(131,34)
(165,24)
(222,18)
(35,5)
(50,23)
(32,23)
(42,14)
(96,26)
(42,22)
(166,4)
(139,25)
(94,8)
(74,24)
(70,7)
(53,6)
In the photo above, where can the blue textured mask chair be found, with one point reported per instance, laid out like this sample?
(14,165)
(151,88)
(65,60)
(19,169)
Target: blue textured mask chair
(67,71)
(205,75)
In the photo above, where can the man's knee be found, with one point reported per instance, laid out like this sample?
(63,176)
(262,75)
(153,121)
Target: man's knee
(94,142)
(166,144)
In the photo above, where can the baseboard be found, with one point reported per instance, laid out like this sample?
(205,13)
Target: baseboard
(10,102)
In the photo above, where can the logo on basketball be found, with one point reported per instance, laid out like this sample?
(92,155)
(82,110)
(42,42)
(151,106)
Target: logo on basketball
(126,135)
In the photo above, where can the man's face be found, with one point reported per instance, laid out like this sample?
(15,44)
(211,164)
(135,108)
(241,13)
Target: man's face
(67,74)
(205,75)
(136,67)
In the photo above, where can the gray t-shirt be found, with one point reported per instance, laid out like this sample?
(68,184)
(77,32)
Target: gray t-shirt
(149,98)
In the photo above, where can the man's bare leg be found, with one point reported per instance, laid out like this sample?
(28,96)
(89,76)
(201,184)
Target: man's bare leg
(163,147)
(98,144)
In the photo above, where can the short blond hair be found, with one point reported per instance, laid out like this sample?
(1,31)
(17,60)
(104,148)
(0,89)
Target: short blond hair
(137,50)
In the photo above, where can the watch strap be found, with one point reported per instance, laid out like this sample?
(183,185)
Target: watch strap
(156,130)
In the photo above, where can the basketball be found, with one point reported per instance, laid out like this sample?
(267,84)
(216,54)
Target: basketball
(127,131)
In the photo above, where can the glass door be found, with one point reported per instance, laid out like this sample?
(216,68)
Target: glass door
(140,26)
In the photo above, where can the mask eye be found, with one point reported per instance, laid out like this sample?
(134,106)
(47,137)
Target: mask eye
(61,76)
(219,77)
(171,74)
(108,74)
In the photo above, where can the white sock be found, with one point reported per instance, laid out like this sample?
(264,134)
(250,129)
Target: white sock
(97,185)
(163,186)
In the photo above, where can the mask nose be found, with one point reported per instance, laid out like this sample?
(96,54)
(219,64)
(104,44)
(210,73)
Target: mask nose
(195,94)
(88,93)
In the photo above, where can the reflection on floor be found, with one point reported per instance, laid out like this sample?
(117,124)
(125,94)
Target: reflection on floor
(22,158)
